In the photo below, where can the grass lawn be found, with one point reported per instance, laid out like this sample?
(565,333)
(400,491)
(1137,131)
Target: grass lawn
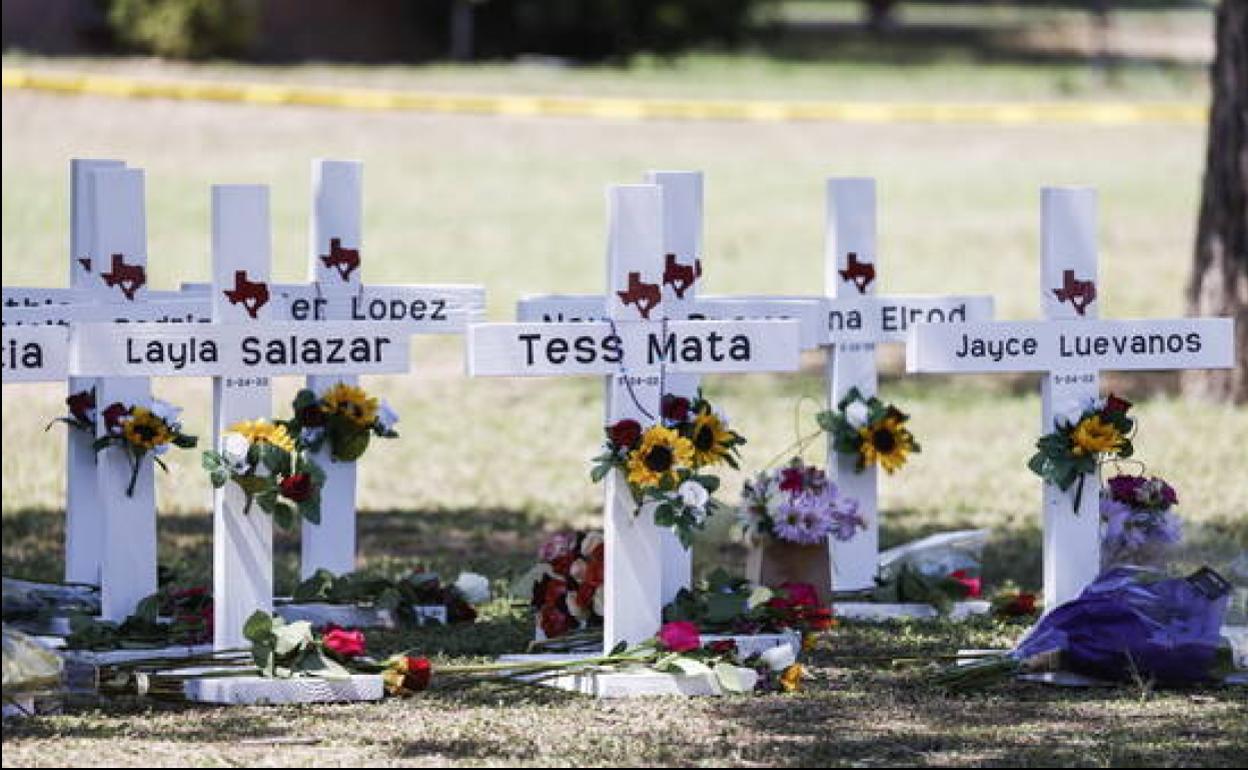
(483,471)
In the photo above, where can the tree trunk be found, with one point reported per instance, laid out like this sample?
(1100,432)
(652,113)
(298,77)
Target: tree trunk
(1219,283)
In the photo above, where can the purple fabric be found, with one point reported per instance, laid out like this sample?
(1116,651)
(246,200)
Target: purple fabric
(1131,622)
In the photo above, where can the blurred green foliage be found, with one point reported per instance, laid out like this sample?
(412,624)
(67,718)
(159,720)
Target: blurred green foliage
(185,29)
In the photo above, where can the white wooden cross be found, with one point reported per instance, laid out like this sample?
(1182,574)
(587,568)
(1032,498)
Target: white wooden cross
(241,350)
(108,258)
(636,348)
(681,276)
(847,323)
(1070,347)
(336,292)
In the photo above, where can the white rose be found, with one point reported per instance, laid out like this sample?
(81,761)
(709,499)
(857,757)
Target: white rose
(386,416)
(475,588)
(234,449)
(165,410)
(779,658)
(693,495)
(856,414)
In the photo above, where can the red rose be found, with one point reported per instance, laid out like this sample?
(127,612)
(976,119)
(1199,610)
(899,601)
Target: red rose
(113,415)
(680,636)
(81,404)
(585,595)
(723,647)
(796,595)
(346,643)
(419,672)
(297,487)
(552,590)
(1021,605)
(595,569)
(792,480)
(675,408)
(625,433)
(818,618)
(974,586)
(1116,405)
(554,622)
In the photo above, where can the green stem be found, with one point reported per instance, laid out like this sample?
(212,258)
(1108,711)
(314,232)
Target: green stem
(136,458)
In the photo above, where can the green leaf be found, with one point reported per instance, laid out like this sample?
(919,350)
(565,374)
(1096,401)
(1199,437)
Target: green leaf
(259,627)
(600,472)
(349,445)
(183,441)
(310,509)
(284,514)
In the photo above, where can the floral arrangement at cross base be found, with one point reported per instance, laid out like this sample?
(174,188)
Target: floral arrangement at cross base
(788,516)
(401,597)
(1080,442)
(664,463)
(568,583)
(345,417)
(271,468)
(797,504)
(190,623)
(281,650)
(137,429)
(870,431)
(1138,523)
(724,604)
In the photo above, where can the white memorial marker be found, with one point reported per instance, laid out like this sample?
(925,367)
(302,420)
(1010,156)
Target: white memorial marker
(338,294)
(107,282)
(635,349)
(110,537)
(847,323)
(1070,347)
(240,350)
(681,274)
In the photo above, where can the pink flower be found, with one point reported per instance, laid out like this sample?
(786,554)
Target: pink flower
(346,643)
(680,636)
(792,480)
(559,544)
(974,586)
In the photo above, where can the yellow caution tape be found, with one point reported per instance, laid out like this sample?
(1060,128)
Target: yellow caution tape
(609,108)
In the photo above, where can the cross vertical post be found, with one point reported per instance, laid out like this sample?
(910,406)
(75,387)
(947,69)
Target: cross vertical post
(334,244)
(850,262)
(1072,556)
(127,570)
(242,547)
(682,270)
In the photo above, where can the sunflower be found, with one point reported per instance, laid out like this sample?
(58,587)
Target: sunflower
(887,442)
(264,432)
(662,451)
(711,439)
(145,431)
(1093,435)
(352,402)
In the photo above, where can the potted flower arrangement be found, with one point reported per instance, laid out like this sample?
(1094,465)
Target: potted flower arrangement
(271,468)
(664,465)
(1138,524)
(787,516)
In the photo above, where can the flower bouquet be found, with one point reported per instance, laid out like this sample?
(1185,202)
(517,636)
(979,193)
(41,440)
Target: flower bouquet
(870,431)
(787,516)
(721,603)
(345,417)
(568,584)
(403,598)
(1138,524)
(1081,441)
(272,470)
(139,430)
(663,464)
